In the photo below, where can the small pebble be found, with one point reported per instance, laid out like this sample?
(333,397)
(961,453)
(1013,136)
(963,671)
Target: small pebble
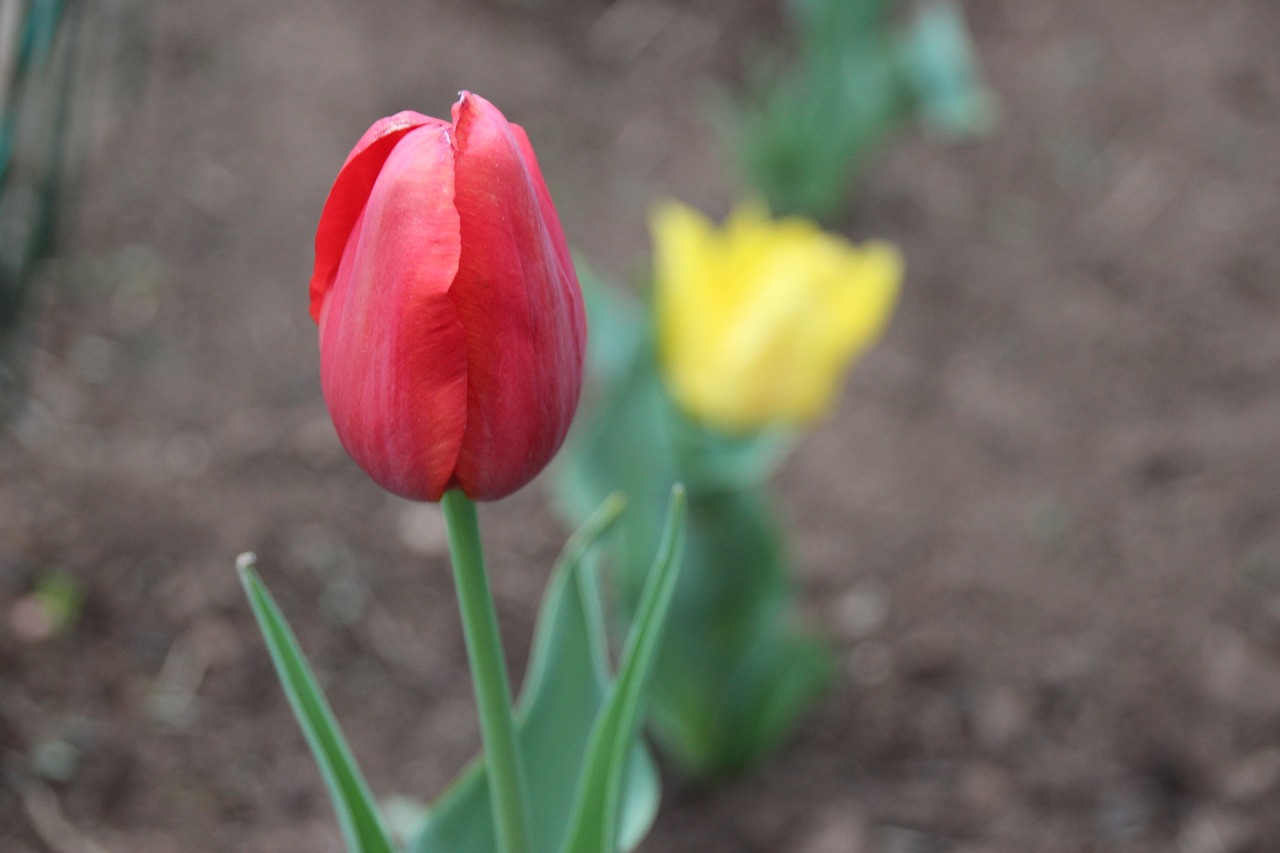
(422,529)
(343,599)
(55,760)
(862,611)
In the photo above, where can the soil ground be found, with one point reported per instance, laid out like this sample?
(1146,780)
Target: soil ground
(1043,527)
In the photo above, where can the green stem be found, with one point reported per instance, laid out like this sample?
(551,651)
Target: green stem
(507,787)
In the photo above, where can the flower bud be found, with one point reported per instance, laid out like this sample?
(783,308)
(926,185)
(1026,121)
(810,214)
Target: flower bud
(452,329)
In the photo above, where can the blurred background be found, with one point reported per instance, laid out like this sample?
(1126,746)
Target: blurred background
(1043,527)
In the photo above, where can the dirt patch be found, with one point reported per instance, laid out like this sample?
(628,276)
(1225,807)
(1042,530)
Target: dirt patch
(1043,527)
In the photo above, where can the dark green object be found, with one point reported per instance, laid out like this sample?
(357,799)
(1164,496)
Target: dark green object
(735,671)
(803,132)
(37,69)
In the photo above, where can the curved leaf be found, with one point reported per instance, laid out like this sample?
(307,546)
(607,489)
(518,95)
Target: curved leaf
(357,814)
(595,824)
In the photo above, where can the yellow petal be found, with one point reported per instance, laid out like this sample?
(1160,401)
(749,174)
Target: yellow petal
(758,321)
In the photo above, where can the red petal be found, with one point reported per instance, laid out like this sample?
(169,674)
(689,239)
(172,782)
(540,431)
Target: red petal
(392,351)
(549,215)
(519,302)
(349,193)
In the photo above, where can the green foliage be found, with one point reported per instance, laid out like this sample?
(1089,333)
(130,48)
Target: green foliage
(357,813)
(592,785)
(734,672)
(936,54)
(565,705)
(37,56)
(54,58)
(802,134)
(600,805)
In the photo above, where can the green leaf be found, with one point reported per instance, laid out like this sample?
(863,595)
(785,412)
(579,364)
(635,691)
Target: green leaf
(564,689)
(735,670)
(937,57)
(595,824)
(357,814)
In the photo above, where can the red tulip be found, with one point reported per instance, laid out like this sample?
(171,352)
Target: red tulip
(451,322)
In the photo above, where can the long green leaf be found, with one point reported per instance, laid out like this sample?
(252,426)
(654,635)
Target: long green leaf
(357,814)
(565,686)
(596,816)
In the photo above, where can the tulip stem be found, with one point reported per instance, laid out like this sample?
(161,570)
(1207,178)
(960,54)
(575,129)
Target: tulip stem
(507,787)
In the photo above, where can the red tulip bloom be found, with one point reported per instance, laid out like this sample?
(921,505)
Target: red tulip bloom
(451,323)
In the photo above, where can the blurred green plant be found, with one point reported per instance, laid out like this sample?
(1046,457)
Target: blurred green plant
(65,68)
(802,133)
(38,47)
(752,328)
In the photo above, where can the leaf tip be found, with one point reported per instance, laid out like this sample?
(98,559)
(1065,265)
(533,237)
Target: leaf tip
(246,564)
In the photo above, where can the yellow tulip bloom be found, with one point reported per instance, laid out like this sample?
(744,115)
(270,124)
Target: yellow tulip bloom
(758,321)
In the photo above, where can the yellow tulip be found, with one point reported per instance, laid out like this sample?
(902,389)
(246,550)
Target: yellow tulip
(758,321)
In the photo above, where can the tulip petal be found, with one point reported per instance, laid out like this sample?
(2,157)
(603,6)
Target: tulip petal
(549,215)
(350,191)
(392,350)
(759,320)
(518,299)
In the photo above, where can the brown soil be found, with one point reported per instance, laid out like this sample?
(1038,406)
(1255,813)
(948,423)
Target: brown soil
(1043,527)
